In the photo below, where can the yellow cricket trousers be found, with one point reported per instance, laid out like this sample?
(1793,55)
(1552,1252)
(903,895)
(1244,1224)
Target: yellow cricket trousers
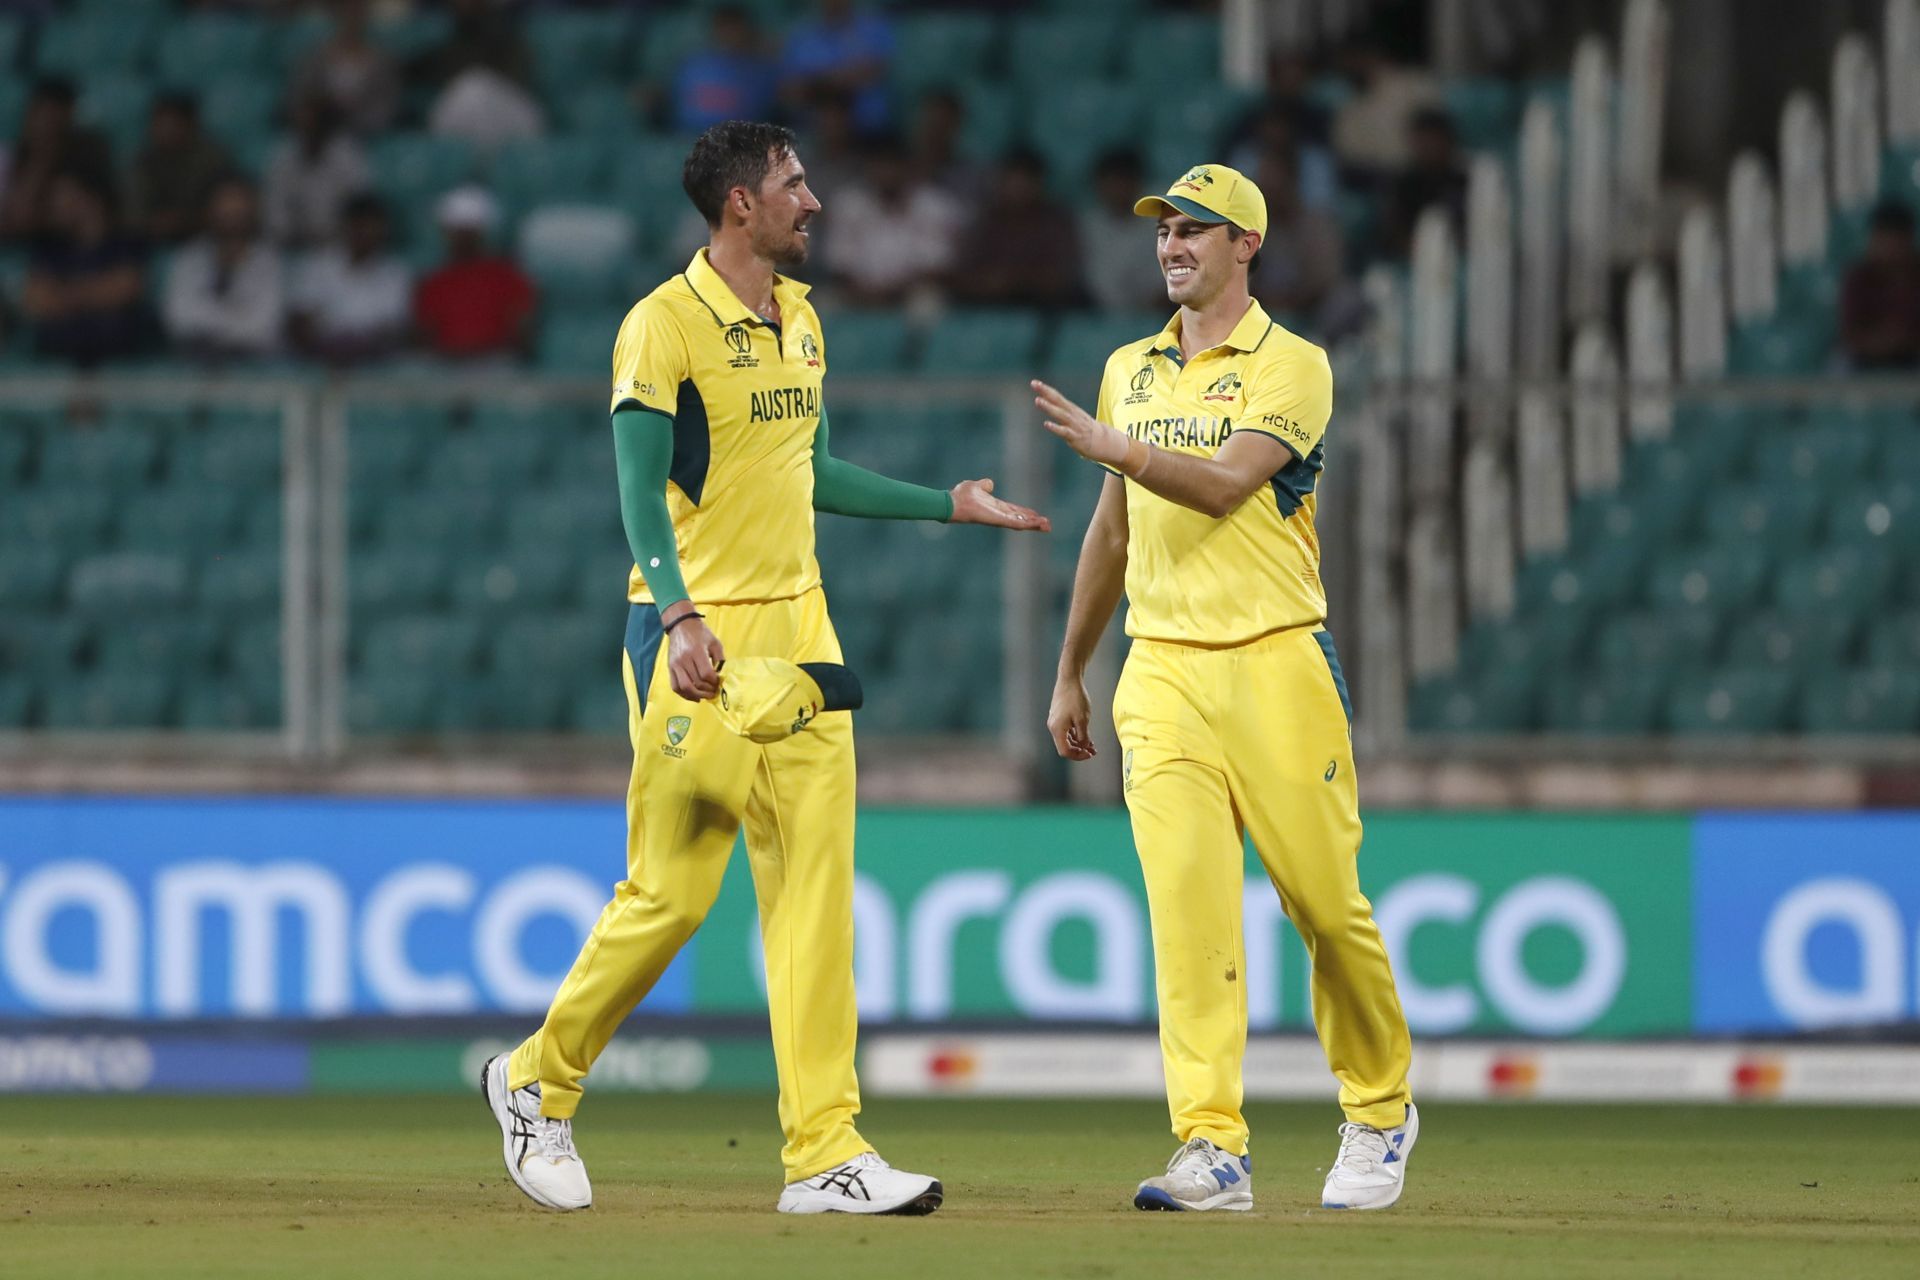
(1253,738)
(693,784)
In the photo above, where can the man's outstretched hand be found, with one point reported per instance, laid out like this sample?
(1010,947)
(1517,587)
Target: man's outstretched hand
(1089,437)
(974,503)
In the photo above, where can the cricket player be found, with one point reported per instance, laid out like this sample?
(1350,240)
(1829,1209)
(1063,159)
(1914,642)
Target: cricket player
(721,445)
(1231,711)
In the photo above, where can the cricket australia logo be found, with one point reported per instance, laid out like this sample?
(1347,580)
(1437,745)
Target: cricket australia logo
(677,727)
(741,343)
(1198,178)
(810,350)
(1225,387)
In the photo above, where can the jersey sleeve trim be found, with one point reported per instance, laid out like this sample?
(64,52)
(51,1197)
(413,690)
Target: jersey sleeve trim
(1255,431)
(631,403)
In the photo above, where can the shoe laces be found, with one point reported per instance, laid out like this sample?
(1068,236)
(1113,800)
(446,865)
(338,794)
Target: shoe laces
(1198,1152)
(555,1138)
(1362,1148)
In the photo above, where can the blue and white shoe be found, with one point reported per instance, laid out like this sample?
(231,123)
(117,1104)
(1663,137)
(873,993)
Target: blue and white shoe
(1371,1170)
(1200,1176)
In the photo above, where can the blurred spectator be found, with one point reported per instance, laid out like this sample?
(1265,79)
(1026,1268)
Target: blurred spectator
(86,285)
(1117,258)
(352,302)
(1275,126)
(351,74)
(224,297)
(50,143)
(310,174)
(843,48)
(483,36)
(487,109)
(937,157)
(730,79)
(1300,259)
(829,148)
(1022,247)
(478,303)
(168,182)
(1880,296)
(893,235)
(1370,129)
(1436,176)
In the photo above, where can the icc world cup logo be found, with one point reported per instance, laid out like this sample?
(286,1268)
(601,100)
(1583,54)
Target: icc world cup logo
(738,339)
(1143,379)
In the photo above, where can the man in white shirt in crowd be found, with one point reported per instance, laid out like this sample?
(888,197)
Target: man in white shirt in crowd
(892,234)
(224,297)
(351,301)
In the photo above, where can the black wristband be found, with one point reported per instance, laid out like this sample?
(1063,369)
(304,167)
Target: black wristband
(682,618)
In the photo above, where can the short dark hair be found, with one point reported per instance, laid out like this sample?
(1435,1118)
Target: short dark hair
(1233,235)
(1891,215)
(733,153)
(1115,161)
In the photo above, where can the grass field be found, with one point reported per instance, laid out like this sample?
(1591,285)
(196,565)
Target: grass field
(684,1187)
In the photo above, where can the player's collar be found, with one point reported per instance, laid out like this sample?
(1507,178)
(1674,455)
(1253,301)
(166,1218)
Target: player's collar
(720,299)
(1247,335)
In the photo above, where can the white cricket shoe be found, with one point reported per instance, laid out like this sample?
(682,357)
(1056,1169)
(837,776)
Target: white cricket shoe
(864,1184)
(539,1152)
(1371,1169)
(1199,1177)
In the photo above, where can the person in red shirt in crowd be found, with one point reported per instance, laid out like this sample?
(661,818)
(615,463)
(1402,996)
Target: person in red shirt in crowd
(477,304)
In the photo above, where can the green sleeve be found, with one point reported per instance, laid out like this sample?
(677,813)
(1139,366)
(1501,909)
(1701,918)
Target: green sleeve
(643,454)
(842,489)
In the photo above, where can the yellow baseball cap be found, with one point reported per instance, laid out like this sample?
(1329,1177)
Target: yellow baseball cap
(767,699)
(1211,193)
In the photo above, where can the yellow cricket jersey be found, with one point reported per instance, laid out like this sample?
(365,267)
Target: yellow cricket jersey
(743,395)
(1193,579)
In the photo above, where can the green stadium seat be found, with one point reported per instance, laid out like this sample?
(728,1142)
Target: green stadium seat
(1502,702)
(1728,439)
(1169,54)
(113,456)
(16,701)
(460,521)
(1780,347)
(196,49)
(387,445)
(392,702)
(118,107)
(240,110)
(43,646)
(1485,110)
(243,584)
(1660,641)
(383,582)
(1773,515)
(1739,700)
(519,579)
(1726,578)
(580,253)
(667,39)
(252,662)
(13,104)
(110,700)
(415,168)
(420,643)
(1883,515)
(234,453)
(413,31)
(1895,641)
(1104,114)
(74,519)
(947,49)
(1795,640)
(982,342)
(568,519)
(95,43)
(12,33)
(215,707)
(1871,701)
(192,521)
(598,711)
(866,342)
(558,640)
(605,110)
(123,581)
(181,645)
(1834,449)
(1554,639)
(1195,124)
(571,48)
(1807,288)
(1847,581)
(484,460)
(1607,574)
(579,342)
(562,169)
(991,118)
(1040,45)
(30,577)
(1621,702)
(1640,520)
(1900,175)
(16,447)
(518,705)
